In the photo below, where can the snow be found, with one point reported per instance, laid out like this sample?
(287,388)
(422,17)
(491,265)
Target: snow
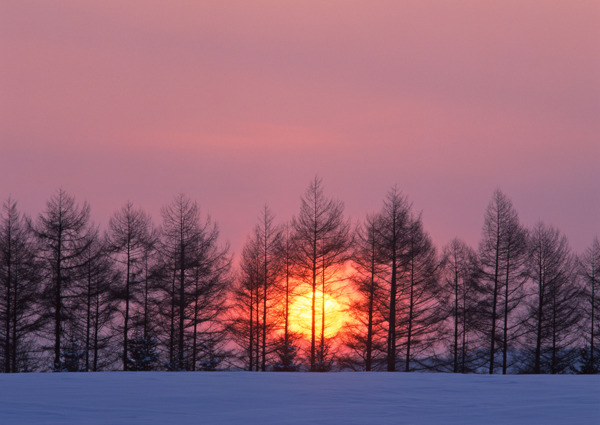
(296,398)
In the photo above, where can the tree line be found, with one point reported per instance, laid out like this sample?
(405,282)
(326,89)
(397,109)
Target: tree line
(142,296)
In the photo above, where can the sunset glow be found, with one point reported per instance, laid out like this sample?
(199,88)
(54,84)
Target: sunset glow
(300,315)
(240,103)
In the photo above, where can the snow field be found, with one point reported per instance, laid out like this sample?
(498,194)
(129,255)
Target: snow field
(296,398)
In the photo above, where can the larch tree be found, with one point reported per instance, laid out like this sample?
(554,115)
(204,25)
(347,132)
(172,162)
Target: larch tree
(321,235)
(152,273)
(196,286)
(64,234)
(393,230)
(180,238)
(419,319)
(286,349)
(365,339)
(19,282)
(245,318)
(127,241)
(211,281)
(554,309)
(462,287)
(99,277)
(589,269)
(502,252)
(269,239)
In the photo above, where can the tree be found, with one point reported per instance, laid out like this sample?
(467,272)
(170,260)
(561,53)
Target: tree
(127,240)
(286,348)
(245,318)
(199,278)
(211,283)
(589,269)
(286,351)
(181,235)
(502,253)
(64,235)
(321,237)
(269,239)
(554,309)
(99,276)
(393,235)
(462,287)
(152,273)
(19,282)
(71,356)
(366,340)
(419,319)
(143,352)
(256,292)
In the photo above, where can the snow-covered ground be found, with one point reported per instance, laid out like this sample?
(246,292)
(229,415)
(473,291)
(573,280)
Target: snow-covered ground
(296,398)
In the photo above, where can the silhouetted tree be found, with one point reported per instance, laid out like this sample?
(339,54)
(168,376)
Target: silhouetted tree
(181,233)
(19,281)
(462,287)
(287,349)
(287,352)
(211,283)
(393,231)
(365,338)
(554,310)
(257,291)
(269,239)
(501,254)
(152,273)
(321,237)
(99,276)
(244,321)
(589,269)
(419,319)
(143,352)
(127,241)
(200,277)
(64,235)
(71,356)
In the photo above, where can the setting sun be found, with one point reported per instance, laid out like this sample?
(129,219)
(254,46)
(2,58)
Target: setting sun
(300,315)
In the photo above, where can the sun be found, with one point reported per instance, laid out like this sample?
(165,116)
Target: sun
(300,315)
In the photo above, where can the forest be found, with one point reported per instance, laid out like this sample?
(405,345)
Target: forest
(318,292)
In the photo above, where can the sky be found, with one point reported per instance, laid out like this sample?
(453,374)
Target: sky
(239,103)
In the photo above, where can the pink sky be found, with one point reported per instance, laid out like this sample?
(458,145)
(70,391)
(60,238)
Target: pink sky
(238,103)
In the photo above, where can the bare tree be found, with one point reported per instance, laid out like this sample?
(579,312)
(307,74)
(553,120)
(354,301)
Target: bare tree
(502,254)
(211,283)
(152,273)
(554,310)
(127,240)
(589,269)
(462,286)
(198,280)
(181,233)
(100,307)
(245,318)
(64,234)
(321,245)
(394,222)
(418,316)
(286,348)
(19,282)
(366,339)
(269,242)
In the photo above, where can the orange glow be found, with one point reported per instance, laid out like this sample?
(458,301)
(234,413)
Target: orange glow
(300,315)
